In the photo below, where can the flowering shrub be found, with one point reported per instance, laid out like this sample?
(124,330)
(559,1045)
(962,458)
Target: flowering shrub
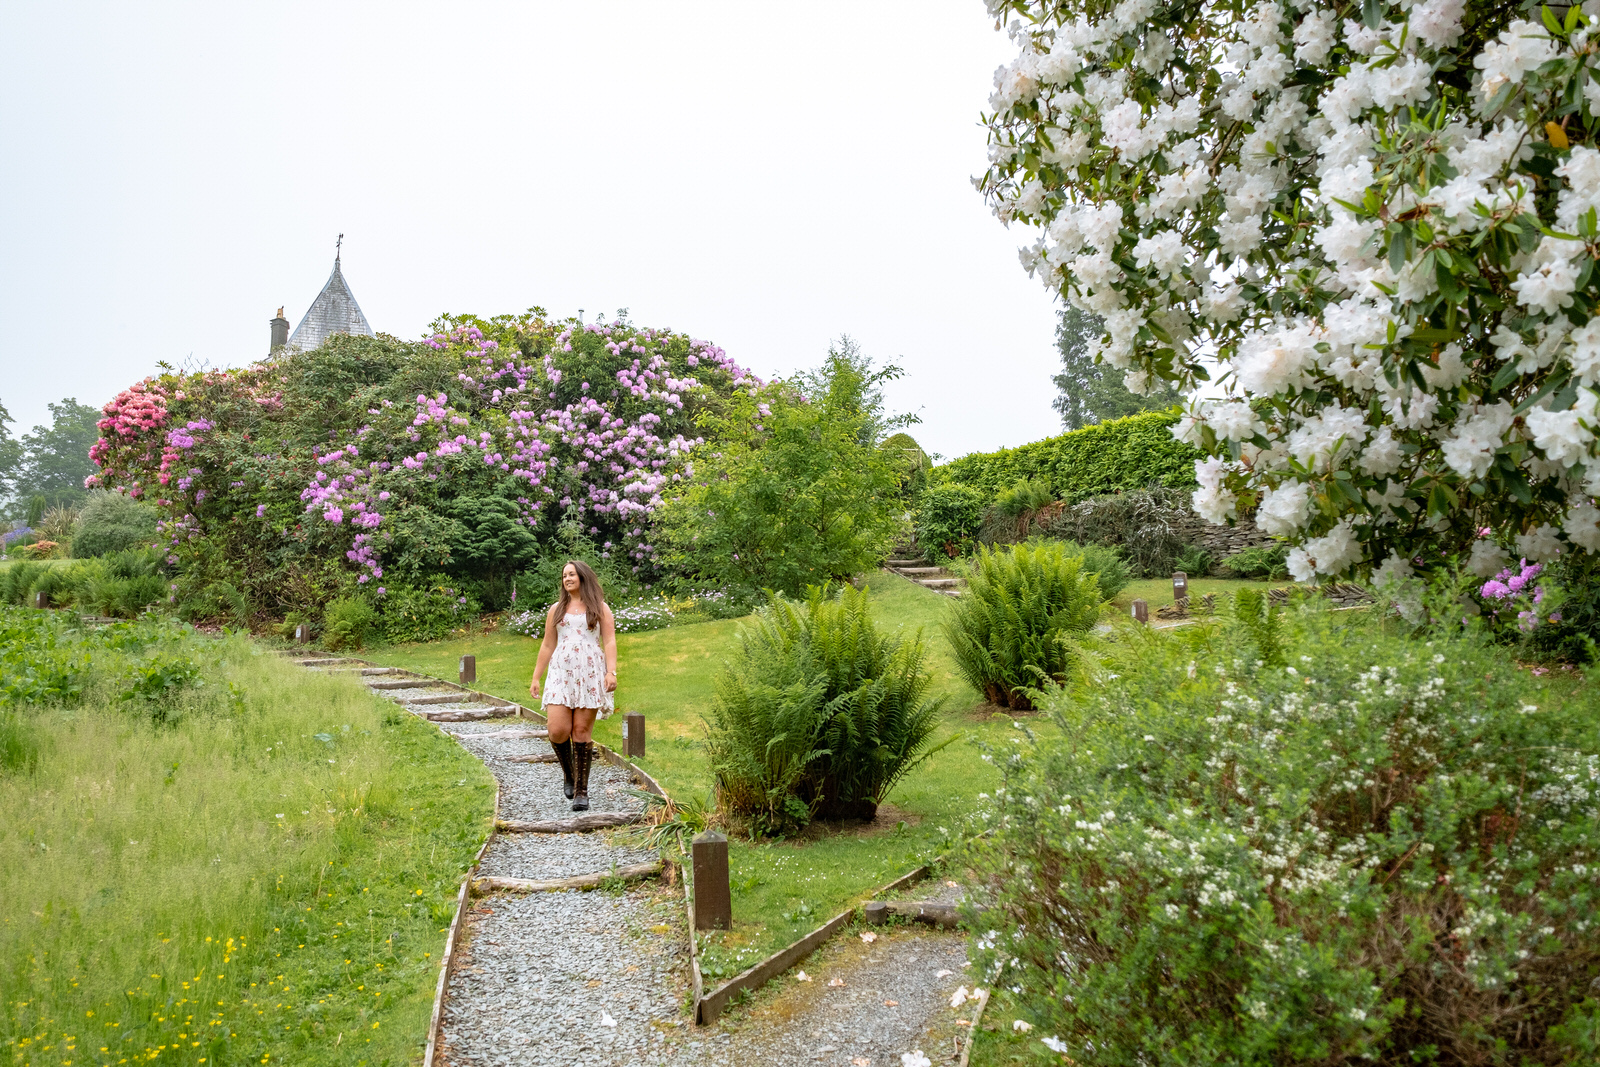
(371,462)
(1380,220)
(1383,849)
(646,613)
(426,614)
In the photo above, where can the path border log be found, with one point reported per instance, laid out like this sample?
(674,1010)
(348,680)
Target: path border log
(594,880)
(595,820)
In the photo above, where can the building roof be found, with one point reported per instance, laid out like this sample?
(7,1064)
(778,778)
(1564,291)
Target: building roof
(333,311)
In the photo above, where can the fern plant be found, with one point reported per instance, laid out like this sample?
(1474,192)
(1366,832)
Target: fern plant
(818,714)
(1013,627)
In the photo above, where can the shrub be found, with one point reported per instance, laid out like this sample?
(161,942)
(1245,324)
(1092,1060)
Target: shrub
(1263,561)
(948,516)
(409,614)
(1194,561)
(1145,524)
(1385,850)
(17,579)
(1028,494)
(348,622)
(1108,457)
(1011,631)
(818,713)
(112,522)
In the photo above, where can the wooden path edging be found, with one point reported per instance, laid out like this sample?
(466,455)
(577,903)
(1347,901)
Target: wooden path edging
(709,1006)
(972,1029)
(453,941)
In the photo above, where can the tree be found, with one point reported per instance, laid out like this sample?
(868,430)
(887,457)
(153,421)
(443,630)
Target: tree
(1378,223)
(55,460)
(1093,392)
(10,454)
(795,489)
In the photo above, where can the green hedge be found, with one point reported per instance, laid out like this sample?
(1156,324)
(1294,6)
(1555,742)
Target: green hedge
(1108,457)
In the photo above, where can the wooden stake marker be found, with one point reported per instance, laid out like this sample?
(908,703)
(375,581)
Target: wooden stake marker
(1141,611)
(713,898)
(633,734)
(468,669)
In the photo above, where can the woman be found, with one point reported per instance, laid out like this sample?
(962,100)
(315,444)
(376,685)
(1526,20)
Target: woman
(580,650)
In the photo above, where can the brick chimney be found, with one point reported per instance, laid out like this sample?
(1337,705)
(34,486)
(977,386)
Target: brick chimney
(280,331)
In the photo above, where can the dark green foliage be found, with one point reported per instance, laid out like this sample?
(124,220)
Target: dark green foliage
(155,682)
(1145,524)
(1109,457)
(220,600)
(17,579)
(1194,561)
(818,714)
(348,623)
(948,516)
(1110,572)
(1574,637)
(408,613)
(10,454)
(488,540)
(1261,618)
(1263,561)
(1386,850)
(1011,631)
(1093,392)
(112,522)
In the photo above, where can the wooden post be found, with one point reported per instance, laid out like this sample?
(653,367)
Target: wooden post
(713,900)
(302,634)
(633,734)
(1180,586)
(469,669)
(41,600)
(1141,611)
(876,912)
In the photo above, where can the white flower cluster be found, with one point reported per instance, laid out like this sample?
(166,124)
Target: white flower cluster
(1384,242)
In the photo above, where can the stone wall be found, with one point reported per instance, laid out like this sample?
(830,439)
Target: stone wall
(1223,541)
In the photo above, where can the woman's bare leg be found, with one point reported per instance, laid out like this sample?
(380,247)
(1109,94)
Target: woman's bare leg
(580,723)
(561,723)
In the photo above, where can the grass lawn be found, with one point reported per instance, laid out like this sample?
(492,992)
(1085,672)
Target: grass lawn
(1157,592)
(264,877)
(782,889)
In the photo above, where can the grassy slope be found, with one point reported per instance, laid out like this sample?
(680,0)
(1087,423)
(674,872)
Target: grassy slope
(780,890)
(152,902)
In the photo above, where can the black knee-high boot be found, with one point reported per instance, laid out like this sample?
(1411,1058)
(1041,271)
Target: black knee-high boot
(564,754)
(583,756)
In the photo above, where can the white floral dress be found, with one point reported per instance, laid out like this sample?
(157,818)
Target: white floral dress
(577,675)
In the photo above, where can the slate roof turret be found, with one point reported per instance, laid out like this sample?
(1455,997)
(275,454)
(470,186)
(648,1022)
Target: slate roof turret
(333,311)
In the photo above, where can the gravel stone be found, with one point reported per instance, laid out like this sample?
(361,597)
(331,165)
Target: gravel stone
(550,856)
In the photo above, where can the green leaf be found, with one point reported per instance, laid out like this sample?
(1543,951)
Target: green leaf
(1372,13)
(1550,20)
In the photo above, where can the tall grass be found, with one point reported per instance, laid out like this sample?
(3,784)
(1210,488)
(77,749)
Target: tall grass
(818,713)
(251,864)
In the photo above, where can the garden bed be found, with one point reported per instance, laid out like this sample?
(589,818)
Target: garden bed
(782,889)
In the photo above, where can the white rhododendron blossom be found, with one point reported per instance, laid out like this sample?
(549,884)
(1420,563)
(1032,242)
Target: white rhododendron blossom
(1372,229)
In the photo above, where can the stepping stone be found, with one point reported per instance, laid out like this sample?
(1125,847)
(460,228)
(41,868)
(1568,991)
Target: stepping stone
(401,683)
(924,572)
(940,583)
(449,697)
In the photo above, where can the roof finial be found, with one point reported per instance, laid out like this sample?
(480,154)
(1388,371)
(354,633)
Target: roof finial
(337,246)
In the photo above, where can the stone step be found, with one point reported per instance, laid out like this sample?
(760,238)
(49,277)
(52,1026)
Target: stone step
(923,572)
(469,714)
(413,682)
(905,563)
(454,697)
(329,661)
(939,583)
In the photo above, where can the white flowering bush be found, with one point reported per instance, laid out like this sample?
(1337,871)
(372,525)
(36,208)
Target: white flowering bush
(1381,850)
(1374,225)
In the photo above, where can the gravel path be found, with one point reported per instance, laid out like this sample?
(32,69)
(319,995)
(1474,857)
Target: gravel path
(600,979)
(895,999)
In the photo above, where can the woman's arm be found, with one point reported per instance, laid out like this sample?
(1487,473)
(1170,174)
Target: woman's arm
(546,647)
(608,641)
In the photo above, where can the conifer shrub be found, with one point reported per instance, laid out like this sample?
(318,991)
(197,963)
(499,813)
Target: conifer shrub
(112,522)
(348,623)
(1011,631)
(1294,838)
(818,714)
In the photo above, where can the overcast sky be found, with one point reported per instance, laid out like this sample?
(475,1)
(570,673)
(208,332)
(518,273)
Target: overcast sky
(766,176)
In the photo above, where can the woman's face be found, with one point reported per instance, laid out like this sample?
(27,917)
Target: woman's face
(569,579)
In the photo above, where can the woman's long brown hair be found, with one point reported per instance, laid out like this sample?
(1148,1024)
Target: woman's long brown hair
(589,591)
